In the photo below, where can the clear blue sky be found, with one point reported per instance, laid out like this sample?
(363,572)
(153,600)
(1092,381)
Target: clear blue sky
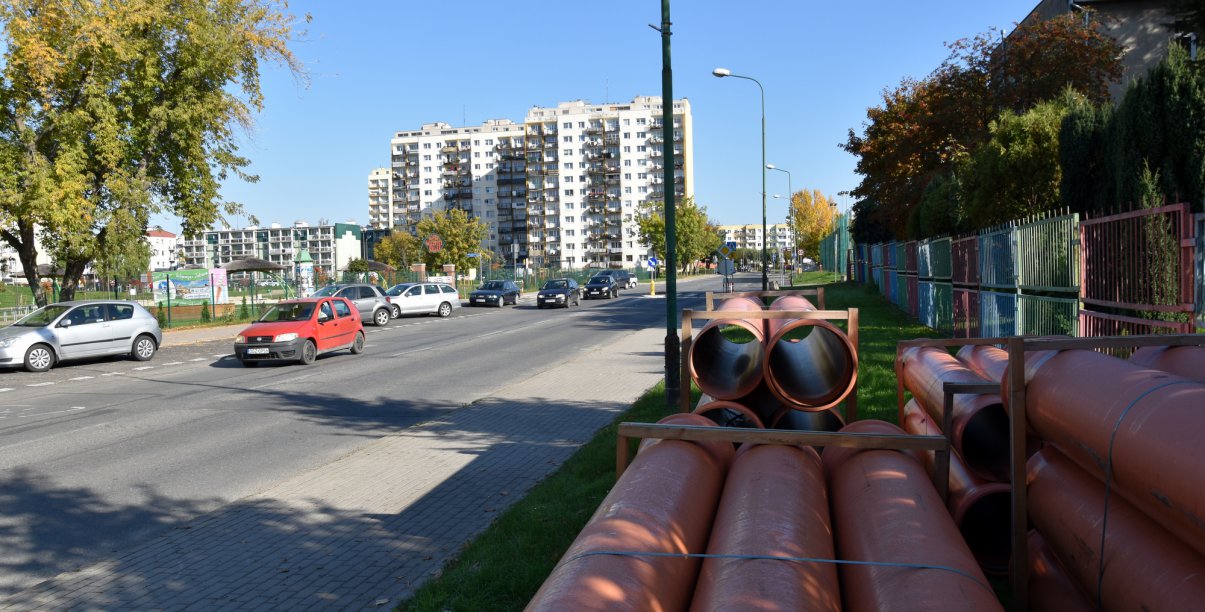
(378,67)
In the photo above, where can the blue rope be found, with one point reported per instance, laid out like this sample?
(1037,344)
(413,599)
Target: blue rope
(1104,523)
(636,553)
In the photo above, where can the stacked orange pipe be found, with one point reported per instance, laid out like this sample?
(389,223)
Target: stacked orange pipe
(774,504)
(1051,588)
(663,503)
(987,361)
(813,372)
(1186,361)
(886,511)
(723,369)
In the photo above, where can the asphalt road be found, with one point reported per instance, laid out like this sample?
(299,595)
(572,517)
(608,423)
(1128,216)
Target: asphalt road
(96,456)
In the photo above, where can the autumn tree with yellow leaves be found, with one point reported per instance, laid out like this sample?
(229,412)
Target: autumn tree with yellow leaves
(811,215)
(115,111)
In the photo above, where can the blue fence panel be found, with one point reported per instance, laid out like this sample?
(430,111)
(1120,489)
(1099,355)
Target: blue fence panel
(926,311)
(997,258)
(997,314)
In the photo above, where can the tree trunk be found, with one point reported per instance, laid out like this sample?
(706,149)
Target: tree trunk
(72,272)
(23,242)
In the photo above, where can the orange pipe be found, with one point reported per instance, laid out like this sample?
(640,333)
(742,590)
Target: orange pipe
(980,424)
(729,414)
(810,364)
(1074,400)
(987,361)
(774,504)
(982,510)
(724,369)
(663,503)
(1051,589)
(1145,567)
(885,510)
(1186,361)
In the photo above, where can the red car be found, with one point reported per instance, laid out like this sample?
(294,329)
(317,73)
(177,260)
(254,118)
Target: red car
(300,330)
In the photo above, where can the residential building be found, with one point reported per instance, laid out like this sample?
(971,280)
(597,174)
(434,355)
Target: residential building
(163,249)
(750,236)
(330,245)
(561,189)
(380,200)
(1142,27)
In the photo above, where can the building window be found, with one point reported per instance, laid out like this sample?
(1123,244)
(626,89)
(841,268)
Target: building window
(640,121)
(567,125)
(627,149)
(567,138)
(568,152)
(627,176)
(641,149)
(568,192)
(627,135)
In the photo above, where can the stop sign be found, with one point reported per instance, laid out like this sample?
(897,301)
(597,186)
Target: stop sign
(434,243)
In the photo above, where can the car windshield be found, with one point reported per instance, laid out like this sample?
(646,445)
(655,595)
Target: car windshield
(398,289)
(42,317)
(599,280)
(326,291)
(493,286)
(556,284)
(289,311)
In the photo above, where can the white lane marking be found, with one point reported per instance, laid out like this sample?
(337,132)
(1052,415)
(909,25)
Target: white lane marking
(222,356)
(42,384)
(411,352)
(71,409)
(81,378)
(6,389)
(111,374)
(144,368)
(282,381)
(198,359)
(172,363)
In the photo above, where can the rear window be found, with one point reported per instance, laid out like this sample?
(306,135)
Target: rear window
(447,289)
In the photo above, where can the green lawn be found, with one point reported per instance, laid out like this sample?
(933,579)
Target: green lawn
(506,565)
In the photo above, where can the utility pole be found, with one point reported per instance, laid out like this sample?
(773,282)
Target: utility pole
(673,348)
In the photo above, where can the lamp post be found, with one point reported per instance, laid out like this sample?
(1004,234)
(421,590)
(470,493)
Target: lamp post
(790,214)
(836,225)
(765,260)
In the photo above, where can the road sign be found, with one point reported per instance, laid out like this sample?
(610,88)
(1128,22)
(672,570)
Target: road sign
(434,243)
(725,267)
(652,262)
(471,255)
(726,249)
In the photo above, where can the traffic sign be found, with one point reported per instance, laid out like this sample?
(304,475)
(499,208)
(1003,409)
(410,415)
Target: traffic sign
(652,262)
(471,255)
(726,249)
(435,244)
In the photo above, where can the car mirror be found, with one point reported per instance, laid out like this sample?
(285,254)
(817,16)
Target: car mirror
(65,323)
(323,317)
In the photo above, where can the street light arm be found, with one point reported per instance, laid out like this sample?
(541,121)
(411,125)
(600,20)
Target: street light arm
(765,254)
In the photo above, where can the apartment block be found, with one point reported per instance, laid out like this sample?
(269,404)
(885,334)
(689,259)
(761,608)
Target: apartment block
(330,245)
(750,236)
(163,249)
(562,189)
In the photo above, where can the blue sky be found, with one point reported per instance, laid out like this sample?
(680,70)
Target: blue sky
(377,67)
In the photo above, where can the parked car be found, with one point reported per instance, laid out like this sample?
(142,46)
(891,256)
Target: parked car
(424,298)
(559,292)
(300,330)
(82,328)
(623,278)
(370,301)
(601,285)
(495,292)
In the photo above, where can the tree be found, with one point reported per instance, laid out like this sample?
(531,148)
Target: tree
(399,249)
(696,236)
(460,235)
(116,110)
(812,216)
(357,266)
(1039,60)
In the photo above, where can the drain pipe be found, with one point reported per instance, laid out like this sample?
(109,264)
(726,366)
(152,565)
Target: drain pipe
(1051,588)
(1186,361)
(985,360)
(724,369)
(810,364)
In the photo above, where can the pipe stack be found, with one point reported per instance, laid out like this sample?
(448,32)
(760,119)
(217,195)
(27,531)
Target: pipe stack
(1120,465)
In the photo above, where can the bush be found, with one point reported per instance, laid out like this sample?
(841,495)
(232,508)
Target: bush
(205,317)
(161,315)
(243,312)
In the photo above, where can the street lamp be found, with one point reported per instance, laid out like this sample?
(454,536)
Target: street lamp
(765,259)
(790,215)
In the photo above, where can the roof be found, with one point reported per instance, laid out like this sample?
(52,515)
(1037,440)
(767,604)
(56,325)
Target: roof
(158,233)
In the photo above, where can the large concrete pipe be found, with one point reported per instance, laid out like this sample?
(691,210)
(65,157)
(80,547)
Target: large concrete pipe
(1145,567)
(1186,361)
(987,361)
(810,364)
(980,424)
(774,504)
(886,511)
(1092,406)
(1051,588)
(982,510)
(723,368)
(663,503)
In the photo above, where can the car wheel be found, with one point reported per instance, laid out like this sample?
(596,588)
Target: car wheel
(380,317)
(39,358)
(144,348)
(309,353)
(357,345)
(396,312)
(501,301)
(445,309)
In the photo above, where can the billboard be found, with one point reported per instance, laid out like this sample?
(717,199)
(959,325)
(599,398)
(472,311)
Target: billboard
(190,286)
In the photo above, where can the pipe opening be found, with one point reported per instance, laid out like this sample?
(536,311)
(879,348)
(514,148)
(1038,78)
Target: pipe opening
(722,368)
(985,446)
(811,367)
(985,527)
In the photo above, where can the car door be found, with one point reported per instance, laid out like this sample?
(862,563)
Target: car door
(345,327)
(122,326)
(327,329)
(84,331)
(432,297)
(412,300)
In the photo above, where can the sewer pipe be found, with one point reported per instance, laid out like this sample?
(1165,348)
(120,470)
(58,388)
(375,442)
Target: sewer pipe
(1186,361)
(1145,567)
(729,414)
(664,502)
(886,511)
(980,423)
(987,361)
(982,510)
(774,504)
(810,364)
(722,368)
(1092,405)
(1051,588)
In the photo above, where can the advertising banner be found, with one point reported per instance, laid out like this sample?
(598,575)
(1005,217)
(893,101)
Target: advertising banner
(188,287)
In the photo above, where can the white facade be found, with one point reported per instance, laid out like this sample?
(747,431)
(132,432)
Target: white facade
(163,249)
(750,236)
(562,189)
(380,200)
(330,246)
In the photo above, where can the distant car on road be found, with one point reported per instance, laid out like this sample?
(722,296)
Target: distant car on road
(559,292)
(601,285)
(424,298)
(76,329)
(623,278)
(370,301)
(495,293)
(300,330)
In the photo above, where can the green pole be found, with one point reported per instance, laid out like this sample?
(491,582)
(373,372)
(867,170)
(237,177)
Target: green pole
(673,350)
(169,299)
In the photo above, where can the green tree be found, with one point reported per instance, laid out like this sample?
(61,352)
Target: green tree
(812,217)
(357,266)
(697,237)
(116,110)
(460,235)
(205,316)
(399,249)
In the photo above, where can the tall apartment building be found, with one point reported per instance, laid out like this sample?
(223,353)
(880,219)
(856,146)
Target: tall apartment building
(380,199)
(750,236)
(330,245)
(562,189)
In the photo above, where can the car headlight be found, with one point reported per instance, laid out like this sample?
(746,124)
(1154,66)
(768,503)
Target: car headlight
(7,342)
(239,339)
(289,337)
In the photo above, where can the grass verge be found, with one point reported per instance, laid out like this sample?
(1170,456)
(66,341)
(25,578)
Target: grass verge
(504,567)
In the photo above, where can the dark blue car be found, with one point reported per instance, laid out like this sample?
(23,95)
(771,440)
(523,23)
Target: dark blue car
(495,293)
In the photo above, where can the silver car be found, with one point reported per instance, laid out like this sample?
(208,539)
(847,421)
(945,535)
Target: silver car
(83,328)
(424,298)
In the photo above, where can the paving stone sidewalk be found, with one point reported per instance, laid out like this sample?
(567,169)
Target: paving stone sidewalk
(364,531)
